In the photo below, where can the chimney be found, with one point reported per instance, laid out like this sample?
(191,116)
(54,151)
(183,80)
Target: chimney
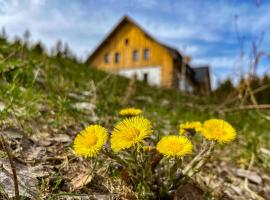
(187,59)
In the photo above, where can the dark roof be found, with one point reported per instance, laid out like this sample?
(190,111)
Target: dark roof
(173,51)
(201,74)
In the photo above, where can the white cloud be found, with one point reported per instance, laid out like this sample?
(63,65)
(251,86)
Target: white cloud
(50,25)
(191,50)
(183,21)
(217,61)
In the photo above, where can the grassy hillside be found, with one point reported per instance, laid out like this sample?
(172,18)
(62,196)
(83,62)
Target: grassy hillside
(58,95)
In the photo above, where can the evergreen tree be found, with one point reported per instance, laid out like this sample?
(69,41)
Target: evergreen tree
(26,37)
(58,48)
(225,88)
(264,95)
(67,52)
(38,48)
(3,35)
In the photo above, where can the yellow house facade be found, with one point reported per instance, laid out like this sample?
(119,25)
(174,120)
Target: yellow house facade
(130,51)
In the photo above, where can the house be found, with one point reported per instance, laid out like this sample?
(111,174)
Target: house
(130,51)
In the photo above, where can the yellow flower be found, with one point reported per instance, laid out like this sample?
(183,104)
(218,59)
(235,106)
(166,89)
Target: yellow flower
(90,141)
(191,127)
(129,132)
(130,112)
(219,130)
(174,146)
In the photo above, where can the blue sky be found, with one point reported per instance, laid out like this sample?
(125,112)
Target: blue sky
(206,30)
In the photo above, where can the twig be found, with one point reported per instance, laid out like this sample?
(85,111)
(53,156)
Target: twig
(100,83)
(13,168)
(262,88)
(249,168)
(247,107)
(246,187)
(234,98)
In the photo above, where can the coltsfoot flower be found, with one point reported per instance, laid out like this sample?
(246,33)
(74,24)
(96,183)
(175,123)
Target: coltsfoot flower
(90,141)
(130,112)
(130,132)
(219,130)
(192,127)
(174,146)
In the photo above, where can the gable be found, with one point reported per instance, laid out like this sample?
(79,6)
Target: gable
(137,40)
(108,38)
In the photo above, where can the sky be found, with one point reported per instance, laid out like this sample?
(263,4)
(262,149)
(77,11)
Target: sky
(218,33)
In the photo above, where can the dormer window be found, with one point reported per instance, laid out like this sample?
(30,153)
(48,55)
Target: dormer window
(146,54)
(126,41)
(106,58)
(135,55)
(117,57)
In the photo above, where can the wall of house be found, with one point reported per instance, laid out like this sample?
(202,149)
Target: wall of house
(152,74)
(185,85)
(137,40)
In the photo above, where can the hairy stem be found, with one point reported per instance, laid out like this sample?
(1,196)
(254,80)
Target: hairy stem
(199,160)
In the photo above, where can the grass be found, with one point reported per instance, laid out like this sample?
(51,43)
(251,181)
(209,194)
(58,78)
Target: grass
(38,90)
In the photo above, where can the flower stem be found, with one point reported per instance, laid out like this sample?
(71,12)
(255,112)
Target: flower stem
(91,172)
(199,160)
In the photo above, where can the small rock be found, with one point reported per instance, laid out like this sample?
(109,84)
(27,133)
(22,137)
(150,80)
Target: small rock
(87,93)
(41,139)
(43,108)
(189,191)
(27,178)
(265,151)
(147,99)
(252,176)
(75,96)
(13,133)
(2,106)
(60,138)
(85,106)
(164,102)
(35,153)
(81,180)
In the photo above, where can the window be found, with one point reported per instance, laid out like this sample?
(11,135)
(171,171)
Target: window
(126,41)
(117,57)
(145,77)
(107,58)
(146,54)
(135,55)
